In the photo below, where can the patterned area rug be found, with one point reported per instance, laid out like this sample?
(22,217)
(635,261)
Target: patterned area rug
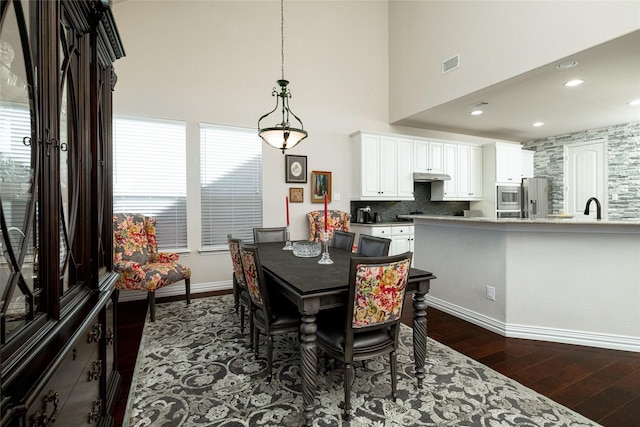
(195,369)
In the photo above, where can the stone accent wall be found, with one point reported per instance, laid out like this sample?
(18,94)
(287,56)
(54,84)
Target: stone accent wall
(623,163)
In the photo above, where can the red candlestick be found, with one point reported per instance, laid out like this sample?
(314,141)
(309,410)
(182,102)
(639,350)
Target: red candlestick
(287,203)
(325,213)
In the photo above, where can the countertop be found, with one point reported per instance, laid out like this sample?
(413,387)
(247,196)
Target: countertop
(577,220)
(383,224)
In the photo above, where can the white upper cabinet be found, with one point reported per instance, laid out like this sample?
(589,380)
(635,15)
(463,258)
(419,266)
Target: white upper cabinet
(463,163)
(508,163)
(428,156)
(383,167)
(527,164)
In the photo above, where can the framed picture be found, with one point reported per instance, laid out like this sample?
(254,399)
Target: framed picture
(295,168)
(296,195)
(320,184)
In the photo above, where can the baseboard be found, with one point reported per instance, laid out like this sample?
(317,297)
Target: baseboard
(539,333)
(176,289)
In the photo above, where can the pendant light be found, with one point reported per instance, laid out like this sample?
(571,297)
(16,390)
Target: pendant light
(282,135)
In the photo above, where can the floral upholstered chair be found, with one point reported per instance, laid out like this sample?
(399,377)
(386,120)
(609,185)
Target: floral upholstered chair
(338,220)
(138,261)
(369,326)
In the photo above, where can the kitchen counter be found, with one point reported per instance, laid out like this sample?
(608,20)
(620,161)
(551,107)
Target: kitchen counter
(577,220)
(574,281)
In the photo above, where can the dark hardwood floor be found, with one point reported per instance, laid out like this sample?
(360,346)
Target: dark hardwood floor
(603,385)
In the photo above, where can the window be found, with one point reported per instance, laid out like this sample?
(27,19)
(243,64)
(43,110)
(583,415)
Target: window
(149,177)
(230,184)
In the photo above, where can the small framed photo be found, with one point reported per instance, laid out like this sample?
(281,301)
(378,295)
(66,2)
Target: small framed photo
(296,195)
(320,184)
(295,168)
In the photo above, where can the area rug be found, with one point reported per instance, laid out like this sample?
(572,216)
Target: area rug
(195,368)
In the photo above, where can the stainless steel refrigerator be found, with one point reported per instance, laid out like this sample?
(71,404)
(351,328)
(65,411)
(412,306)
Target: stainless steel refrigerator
(535,197)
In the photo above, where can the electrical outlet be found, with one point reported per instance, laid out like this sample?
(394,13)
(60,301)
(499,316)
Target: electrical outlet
(491,293)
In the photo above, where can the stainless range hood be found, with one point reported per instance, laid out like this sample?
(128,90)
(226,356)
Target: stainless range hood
(430,177)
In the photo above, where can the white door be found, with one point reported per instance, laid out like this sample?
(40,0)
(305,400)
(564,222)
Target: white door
(585,177)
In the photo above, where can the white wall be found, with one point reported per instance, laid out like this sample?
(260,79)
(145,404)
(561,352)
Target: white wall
(496,40)
(217,62)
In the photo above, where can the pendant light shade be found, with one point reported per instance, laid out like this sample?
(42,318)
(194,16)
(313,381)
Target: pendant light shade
(282,135)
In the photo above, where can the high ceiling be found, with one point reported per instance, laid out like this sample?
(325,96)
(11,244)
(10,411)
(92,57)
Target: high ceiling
(611,74)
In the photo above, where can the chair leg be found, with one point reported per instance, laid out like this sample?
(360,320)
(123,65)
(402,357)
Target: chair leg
(187,285)
(393,362)
(269,356)
(242,319)
(151,296)
(348,379)
(251,327)
(236,294)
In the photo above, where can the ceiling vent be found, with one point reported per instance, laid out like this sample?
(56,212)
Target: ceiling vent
(450,64)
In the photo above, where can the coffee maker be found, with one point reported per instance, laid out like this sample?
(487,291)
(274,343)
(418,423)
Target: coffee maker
(364,215)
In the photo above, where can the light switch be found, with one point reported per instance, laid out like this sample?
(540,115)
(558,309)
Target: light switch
(336,196)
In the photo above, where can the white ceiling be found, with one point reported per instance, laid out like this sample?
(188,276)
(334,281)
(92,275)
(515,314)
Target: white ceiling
(611,72)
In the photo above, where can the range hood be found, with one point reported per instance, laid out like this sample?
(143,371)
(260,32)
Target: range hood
(430,177)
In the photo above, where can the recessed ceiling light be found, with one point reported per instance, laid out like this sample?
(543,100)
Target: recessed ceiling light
(566,65)
(477,105)
(538,124)
(572,83)
(634,102)
(476,112)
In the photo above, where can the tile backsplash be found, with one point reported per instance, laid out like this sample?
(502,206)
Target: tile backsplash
(623,163)
(422,203)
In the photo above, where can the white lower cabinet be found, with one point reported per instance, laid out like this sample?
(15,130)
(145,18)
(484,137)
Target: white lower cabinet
(401,235)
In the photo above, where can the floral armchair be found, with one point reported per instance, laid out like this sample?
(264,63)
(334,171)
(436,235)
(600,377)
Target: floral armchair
(136,258)
(338,220)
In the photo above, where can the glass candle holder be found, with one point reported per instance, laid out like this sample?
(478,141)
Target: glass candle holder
(325,259)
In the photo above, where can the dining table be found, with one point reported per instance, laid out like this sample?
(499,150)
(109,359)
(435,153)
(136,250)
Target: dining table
(312,287)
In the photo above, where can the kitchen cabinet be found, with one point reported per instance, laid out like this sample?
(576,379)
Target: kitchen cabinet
(527,164)
(428,156)
(463,163)
(401,235)
(58,299)
(508,163)
(469,172)
(382,169)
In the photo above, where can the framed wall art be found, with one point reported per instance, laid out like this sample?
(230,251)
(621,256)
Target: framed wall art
(296,195)
(295,168)
(320,184)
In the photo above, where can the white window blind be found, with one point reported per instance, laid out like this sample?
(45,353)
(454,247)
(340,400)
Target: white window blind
(149,175)
(230,184)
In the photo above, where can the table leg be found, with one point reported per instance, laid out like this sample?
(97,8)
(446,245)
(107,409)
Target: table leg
(419,334)
(308,362)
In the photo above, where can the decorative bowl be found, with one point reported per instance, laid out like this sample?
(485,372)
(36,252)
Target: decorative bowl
(307,249)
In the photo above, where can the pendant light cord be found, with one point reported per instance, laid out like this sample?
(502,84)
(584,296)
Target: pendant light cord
(282,36)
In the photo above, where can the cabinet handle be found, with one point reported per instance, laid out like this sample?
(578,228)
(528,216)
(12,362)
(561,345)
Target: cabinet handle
(96,370)
(40,419)
(95,333)
(94,415)
(110,336)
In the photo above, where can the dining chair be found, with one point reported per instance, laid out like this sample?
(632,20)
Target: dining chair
(269,234)
(271,316)
(240,291)
(338,220)
(370,324)
(343,240)
(373,245)
(137,260)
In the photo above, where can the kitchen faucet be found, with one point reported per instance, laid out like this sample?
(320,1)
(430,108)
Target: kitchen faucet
(598,208)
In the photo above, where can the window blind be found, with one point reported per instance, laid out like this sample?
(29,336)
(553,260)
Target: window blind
(230,184)
(149,175)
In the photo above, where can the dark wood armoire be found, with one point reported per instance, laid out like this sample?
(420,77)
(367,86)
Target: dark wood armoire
(58,344)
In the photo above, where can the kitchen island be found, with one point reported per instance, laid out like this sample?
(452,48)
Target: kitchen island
(565,280)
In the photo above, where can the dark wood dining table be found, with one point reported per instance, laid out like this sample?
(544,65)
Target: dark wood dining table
(313,287)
